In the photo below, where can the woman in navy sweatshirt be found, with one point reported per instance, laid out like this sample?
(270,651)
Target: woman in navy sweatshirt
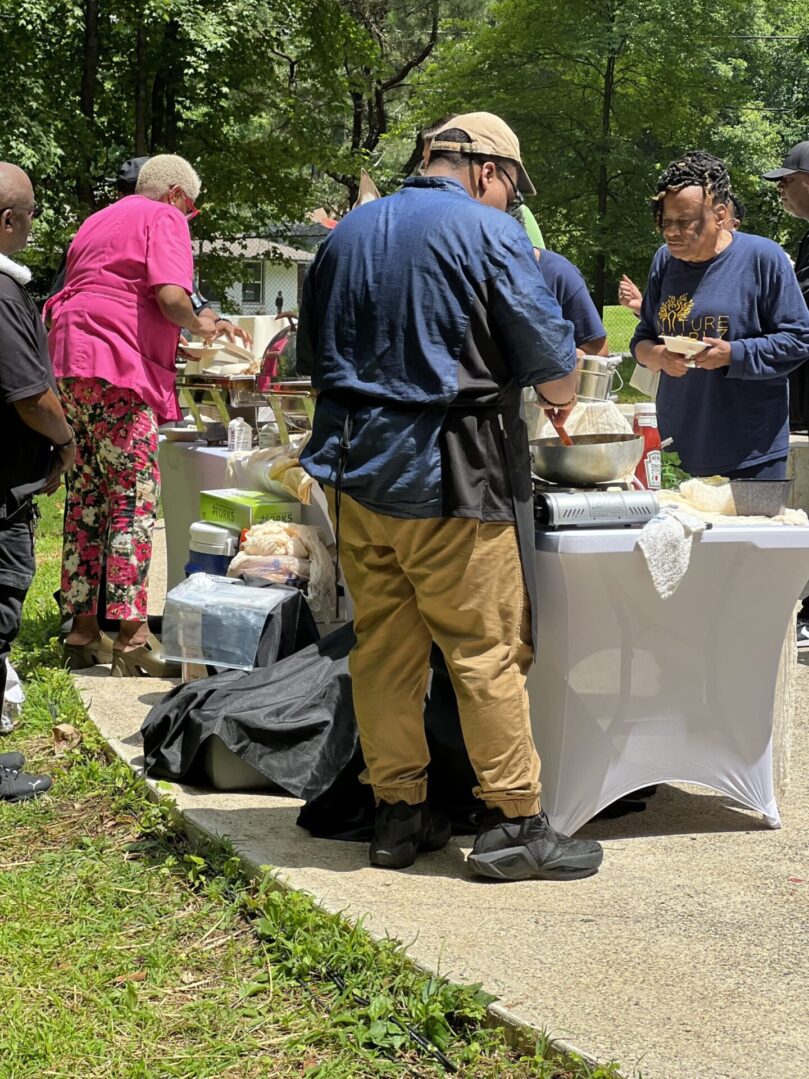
(728,415)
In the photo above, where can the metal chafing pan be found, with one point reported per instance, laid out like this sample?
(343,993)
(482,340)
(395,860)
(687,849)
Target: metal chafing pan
(292,402)
(240,389)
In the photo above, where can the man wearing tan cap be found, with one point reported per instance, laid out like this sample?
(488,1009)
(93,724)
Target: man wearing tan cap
(423,317)
(793,190)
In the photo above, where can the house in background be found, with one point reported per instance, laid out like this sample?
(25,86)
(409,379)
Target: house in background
(263,277)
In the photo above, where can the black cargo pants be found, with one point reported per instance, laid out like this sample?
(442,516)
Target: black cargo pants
(16,573)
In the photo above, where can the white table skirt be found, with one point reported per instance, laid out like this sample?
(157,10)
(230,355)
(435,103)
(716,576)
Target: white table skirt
(630,689)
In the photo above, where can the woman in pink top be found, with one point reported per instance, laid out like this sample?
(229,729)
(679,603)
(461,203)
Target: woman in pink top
(113,342)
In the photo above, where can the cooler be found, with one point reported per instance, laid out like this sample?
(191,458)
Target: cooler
(217,621)
(211,548)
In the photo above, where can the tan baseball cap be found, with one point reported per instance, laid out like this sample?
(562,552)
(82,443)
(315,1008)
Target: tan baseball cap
(487,134)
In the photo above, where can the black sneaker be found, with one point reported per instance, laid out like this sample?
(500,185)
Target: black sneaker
(526,848)
(12,760)
(402,830)
(16,786)
(803,634)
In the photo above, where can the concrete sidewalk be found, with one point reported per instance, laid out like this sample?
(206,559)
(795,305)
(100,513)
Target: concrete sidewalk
(684,958)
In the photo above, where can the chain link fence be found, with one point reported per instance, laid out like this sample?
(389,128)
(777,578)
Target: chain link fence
(620,324)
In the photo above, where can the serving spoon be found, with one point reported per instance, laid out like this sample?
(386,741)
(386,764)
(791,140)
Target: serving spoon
(559,427)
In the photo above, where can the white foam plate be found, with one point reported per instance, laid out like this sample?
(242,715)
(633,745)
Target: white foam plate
(199,346)
(181,434)
(684,346)
(236,350)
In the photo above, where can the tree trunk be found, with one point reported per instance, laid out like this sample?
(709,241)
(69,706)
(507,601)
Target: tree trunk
(141,88)
(164,93)
(89,75)
(600,281)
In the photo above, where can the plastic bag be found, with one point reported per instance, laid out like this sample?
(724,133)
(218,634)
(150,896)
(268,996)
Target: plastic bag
(274,469)
(274,539)
(12,700)
(280,569)
(587,418)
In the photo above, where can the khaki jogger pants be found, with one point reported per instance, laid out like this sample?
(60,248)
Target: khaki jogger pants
(458,582)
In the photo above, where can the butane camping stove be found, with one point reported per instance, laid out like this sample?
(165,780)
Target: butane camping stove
(609,505)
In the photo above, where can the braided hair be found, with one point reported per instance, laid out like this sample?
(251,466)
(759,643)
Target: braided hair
(738,207)
(696,168)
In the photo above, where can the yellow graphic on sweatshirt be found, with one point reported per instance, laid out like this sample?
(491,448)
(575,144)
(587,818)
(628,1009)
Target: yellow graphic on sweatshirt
(672,310)
(672,319)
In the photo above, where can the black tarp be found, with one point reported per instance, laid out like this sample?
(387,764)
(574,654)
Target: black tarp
(288,720)
(294,723)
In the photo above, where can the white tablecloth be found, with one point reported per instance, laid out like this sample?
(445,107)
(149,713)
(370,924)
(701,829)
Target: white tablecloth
(630,689)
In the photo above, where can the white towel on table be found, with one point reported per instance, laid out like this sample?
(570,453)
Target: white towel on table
(666,545)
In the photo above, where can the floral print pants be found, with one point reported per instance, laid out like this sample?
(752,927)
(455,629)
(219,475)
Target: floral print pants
(112,496)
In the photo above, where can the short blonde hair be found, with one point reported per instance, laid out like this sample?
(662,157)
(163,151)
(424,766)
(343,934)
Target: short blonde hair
(163,171)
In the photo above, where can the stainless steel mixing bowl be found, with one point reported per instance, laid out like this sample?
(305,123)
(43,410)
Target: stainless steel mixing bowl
(591,459)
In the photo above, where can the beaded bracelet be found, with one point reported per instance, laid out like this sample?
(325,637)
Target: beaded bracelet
(555,404)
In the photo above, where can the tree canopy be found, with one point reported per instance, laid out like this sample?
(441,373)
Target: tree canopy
(604,93)
(280,103)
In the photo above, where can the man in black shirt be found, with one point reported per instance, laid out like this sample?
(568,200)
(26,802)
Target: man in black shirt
(36,443)
(793,189)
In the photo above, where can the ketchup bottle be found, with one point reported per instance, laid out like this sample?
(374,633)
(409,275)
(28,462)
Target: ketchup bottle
(650,465)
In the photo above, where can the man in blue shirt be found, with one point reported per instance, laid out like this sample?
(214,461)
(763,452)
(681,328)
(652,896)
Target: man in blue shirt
(423,317)
(738,293)
(566,282)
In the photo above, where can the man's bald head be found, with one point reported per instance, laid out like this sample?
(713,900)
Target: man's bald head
(14,185)
(16,208)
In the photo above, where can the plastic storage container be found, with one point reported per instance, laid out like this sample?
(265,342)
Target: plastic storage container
(228,772)
(216,620)
(211,548)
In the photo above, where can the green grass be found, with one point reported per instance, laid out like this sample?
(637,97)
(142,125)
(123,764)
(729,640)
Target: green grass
(128,952)
(620,324)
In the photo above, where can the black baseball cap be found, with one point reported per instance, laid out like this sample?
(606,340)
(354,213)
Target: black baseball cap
(128,175)
(797,160)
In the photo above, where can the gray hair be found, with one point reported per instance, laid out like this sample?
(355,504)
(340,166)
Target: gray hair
(163,171)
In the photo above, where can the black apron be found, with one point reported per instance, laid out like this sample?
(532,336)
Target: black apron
(514,434)
(518,460)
